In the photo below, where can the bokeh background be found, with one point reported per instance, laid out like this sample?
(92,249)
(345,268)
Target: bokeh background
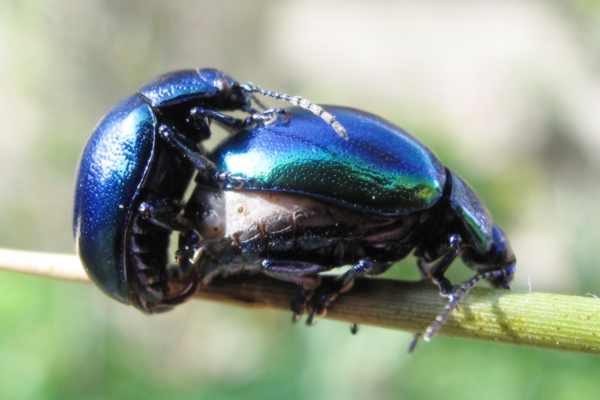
(506,93)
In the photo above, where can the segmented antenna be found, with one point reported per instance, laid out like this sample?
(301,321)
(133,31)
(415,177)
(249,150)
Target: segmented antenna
(302,103)
(453,302)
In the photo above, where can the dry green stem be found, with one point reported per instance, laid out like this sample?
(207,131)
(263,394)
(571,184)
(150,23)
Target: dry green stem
(538,319)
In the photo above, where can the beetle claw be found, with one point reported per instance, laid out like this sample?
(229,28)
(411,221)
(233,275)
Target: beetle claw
(310,321)
(300,304)
(413,343)
(320,302)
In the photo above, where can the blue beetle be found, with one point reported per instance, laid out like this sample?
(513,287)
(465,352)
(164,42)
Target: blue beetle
(130,182)
(303,202)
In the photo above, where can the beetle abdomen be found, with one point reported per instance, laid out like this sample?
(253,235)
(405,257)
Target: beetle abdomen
(113,167)
(380,170)
(286,227)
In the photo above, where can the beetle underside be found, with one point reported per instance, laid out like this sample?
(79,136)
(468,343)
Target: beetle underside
(294,238)
(281,226)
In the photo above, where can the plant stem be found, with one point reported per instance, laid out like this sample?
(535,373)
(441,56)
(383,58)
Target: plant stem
(538,319)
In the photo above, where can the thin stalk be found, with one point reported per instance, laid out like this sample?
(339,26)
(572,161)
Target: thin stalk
(547,320)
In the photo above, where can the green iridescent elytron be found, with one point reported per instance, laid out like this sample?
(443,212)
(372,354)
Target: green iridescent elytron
(383,171)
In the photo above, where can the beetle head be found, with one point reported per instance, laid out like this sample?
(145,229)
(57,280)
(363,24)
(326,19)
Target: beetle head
(500,256)
(231,96)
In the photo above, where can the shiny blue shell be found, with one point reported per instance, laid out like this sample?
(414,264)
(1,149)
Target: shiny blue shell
(113,167)
(380,170)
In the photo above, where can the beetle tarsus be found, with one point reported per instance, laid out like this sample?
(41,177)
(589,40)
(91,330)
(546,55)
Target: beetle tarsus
(310,320)
(299,303)
(325,295)
(268,117)
(413,343)
(201,116)
(298,306)
(188,291)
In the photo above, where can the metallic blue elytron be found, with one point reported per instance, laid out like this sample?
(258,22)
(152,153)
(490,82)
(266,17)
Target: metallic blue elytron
(128,179)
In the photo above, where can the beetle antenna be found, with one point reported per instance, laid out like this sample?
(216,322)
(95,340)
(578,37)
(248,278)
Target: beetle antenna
(302,103)
(453,301)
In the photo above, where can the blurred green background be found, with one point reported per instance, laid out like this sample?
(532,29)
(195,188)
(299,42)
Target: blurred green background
(506,93)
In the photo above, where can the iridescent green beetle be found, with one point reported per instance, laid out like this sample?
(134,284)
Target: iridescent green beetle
(299,200)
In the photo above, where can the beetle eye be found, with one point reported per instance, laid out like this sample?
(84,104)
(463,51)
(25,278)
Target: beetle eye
(502,281)
(235,92)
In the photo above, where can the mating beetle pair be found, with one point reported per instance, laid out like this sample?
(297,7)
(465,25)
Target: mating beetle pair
(286,195)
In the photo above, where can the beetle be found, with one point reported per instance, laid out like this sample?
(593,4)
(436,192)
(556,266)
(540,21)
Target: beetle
(130,182)
(304,201)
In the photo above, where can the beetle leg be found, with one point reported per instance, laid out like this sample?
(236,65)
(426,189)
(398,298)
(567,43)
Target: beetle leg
(187,148)
(207,259)
(326,295)
(267,117)
(457,296)
(189,246)
(201,116)
(164,213)
(181,279)
(207,170)
(301,273)
(436,271)
(424,268)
